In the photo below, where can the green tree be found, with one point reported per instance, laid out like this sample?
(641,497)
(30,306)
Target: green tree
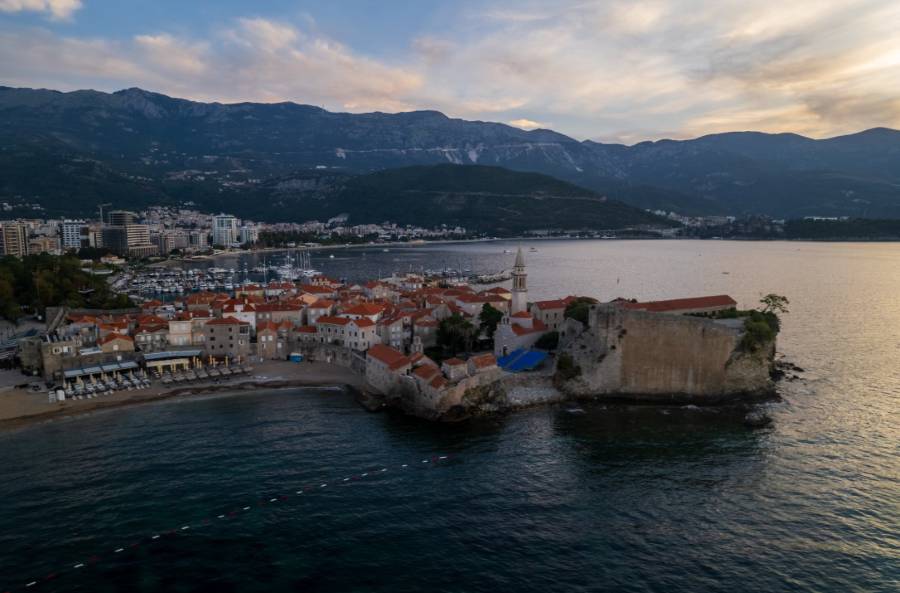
(774,303)
(579,308)
(456,334)
(489,319)
(548,341)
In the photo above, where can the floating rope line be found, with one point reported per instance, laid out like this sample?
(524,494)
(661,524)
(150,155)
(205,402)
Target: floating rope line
(147,540)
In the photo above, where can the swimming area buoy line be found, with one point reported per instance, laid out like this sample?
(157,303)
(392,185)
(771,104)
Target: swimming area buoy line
(115,552)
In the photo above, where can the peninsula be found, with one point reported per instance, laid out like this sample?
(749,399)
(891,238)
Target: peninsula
(431,345)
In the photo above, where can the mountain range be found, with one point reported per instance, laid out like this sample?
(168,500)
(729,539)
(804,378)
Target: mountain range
(70,151)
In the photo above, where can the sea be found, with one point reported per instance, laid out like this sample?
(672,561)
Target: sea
(302,490)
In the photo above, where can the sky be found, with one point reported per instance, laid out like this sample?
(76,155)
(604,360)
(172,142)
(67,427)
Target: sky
(610,70)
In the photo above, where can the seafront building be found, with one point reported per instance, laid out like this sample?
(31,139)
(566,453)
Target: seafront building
(225,231)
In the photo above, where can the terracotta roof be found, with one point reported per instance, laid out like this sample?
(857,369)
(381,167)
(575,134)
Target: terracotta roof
(537,326)
(363,322)
(480,298)
(267,326)
(314,289)
(426,371)
(332,320)
(365,309)
(522,315)
(719,300)
(322,304)
(454,362)
(114,336)
(226,321)
(483,360)
(554,304)
(305,329)
(438,382)
(392,358)
(271,307)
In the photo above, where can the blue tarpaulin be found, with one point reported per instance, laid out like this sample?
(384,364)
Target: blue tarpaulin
(522,360)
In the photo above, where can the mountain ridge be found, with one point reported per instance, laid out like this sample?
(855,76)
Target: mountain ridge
(152,135)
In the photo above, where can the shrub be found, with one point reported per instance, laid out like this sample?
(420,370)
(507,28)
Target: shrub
(566,368)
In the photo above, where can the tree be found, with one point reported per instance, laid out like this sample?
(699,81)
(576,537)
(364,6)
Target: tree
(489,319)
(548,341)
(579,308)
(455,334)
(774,303)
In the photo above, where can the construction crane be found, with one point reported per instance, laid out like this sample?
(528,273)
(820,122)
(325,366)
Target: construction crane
(101,212)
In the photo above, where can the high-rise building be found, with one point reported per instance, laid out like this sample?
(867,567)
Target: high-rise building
(199,239)
(121,218)
(128,239)
(75,234)
(249,234)
(15,239)
(225,230)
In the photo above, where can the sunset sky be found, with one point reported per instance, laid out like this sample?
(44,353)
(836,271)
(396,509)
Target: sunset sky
(605,70)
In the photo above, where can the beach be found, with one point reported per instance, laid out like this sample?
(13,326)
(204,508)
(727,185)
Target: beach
(20,407)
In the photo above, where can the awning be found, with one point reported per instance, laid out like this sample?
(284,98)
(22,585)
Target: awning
(110,367)
(172,354)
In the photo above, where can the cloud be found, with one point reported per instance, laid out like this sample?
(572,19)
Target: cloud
(57,9)
(609,70)
(527,124)
(254,60)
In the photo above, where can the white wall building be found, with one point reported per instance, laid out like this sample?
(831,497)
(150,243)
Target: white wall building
(225,230)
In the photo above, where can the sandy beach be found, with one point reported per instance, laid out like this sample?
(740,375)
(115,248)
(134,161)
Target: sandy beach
(20,407)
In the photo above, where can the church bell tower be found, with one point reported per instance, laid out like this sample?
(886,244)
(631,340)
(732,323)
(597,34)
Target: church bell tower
(519,286)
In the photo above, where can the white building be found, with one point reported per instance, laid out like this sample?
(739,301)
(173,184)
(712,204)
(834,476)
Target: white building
(225,230)
(249,234)
(72,233)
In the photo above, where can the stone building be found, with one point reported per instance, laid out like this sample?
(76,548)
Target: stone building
(519,284)
(385,367)
(227,337)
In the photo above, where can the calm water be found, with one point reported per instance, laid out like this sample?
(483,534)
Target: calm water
(614,499)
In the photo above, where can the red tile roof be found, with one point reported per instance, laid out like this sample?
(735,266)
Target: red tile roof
(114,336)
(707,302)
(226,321)
(332,320)
(426,371)
(365,309)
(322,304)
(521,315)
(554,304)
(483,360)
(454,362)
(392,358)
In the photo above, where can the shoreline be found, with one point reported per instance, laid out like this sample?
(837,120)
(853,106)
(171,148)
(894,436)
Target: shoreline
(21,408)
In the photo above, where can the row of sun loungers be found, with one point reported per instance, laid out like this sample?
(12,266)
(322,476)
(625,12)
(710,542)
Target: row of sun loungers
(202,374)
(96,388)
